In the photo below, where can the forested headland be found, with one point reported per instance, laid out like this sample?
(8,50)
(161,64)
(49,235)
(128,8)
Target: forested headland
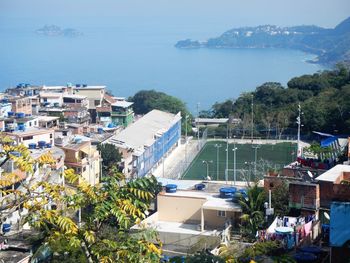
(323,96)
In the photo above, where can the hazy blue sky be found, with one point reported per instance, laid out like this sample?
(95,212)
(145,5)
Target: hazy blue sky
(221,12)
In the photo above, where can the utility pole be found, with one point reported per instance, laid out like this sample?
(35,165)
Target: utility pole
(256,147)
(186,138)
(197,124)
(252,133)
(207,163)
(226,170)
(217,146)
(163,153)
(299,125)
(234,160)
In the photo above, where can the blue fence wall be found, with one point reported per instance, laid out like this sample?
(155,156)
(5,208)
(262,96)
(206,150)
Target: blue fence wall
(155,152)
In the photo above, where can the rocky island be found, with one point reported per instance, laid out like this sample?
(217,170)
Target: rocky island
(53,30)
(330,45)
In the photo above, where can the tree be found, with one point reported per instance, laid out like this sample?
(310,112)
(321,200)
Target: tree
(108,211)
(110,156)
(280,199)
(252,210)
(147,100)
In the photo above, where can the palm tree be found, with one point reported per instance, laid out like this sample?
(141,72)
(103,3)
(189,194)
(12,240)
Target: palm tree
(252,210)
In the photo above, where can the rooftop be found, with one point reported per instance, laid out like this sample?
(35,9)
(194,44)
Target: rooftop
(332,174)
(122,104)
(30,131)
(143,131)
(76,146)
(74,96)
(47,118)
(214,202)
(89,87)
(50,94)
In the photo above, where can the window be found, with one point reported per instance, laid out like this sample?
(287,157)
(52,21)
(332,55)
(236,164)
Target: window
(26,138)
(97,102)
(84,169)
(221,213)
(50,135)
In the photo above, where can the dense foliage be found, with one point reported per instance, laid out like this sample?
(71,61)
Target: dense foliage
(323,97)
(147,100)
(110,156)
(107,211)
(252,211)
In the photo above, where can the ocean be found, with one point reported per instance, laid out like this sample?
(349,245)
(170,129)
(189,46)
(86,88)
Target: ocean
(128,56)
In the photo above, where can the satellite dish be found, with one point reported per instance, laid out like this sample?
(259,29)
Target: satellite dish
(326,215)
(310,174)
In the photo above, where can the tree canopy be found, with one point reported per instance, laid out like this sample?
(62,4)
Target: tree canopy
(323,98)
(147,100)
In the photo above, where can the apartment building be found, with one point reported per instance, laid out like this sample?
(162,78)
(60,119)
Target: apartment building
(145,142)
(84,159)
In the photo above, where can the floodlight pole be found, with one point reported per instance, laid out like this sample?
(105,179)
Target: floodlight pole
(198,124)
(207,164)
(186,117)
(299,125)
(255,157)
(226,170)
(252,132)
(234,160)
(217,146)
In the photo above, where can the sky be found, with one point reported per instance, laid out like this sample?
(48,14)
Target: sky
(226,13)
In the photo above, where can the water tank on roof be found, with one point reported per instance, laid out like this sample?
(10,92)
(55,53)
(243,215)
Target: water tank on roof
(41,144)
(199,186)
(10,113)
(20,114)
(6,228)
(28,115)
(77,85)
(243,192)
(227,192)
(4,100)
(21,127)
(77,140)
(56,104)
(171,188)
(32,146)
(85,85)
(48,145)
(17,154)
(100,130)
(111,125)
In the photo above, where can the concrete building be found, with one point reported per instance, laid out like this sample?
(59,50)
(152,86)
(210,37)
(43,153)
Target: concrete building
(32,135)
(84,159)
(21,104)
(122,113)
(48,122)
(75,101)
(48,99)
(94,94)
(331,187)
(188,217)
(20,122)
(145,142)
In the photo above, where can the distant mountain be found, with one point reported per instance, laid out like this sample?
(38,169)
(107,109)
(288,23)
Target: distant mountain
(330,45)
(53,30)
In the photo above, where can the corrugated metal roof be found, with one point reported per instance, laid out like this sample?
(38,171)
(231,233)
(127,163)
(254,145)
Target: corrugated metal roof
(143,131)
(332,174)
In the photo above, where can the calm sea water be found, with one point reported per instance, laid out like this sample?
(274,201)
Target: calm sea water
(128,56)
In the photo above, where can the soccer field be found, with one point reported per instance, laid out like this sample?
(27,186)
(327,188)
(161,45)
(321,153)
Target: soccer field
(275,155)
